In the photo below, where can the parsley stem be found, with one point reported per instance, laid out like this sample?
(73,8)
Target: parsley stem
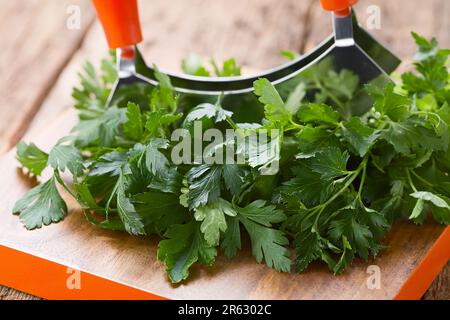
(363,180)
(113,193)
(428,113)
(290,129)
(232,123)
(291,234)
(349,182)
(247,188)
(408,175)
(64,184)
(296,125)
(60,180)
(421,178)
(320,208)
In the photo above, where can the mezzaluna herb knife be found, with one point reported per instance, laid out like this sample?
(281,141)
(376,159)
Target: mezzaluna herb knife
(342,182)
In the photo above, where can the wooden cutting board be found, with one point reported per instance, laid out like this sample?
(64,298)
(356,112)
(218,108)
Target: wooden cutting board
(253,31)
(116,265)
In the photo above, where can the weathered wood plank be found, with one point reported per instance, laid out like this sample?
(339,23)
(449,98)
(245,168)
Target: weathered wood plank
(440,289)
(252,31)
(11,294)
(37,45)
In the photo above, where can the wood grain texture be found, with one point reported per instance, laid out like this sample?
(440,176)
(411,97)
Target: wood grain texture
(38,45)
(11,294)
(253,31)
(440,289)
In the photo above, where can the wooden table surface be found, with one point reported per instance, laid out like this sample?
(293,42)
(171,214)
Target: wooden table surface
(43,55)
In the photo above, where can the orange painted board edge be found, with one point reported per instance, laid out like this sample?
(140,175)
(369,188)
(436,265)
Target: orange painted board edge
(427,270)
(51,280)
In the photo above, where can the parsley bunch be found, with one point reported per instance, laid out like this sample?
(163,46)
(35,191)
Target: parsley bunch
(345,174)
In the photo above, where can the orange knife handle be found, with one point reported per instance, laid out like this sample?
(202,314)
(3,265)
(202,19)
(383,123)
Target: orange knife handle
(339,7)
(120,21)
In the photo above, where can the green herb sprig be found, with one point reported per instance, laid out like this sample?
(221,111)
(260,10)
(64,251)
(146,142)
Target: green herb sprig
(343,179)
